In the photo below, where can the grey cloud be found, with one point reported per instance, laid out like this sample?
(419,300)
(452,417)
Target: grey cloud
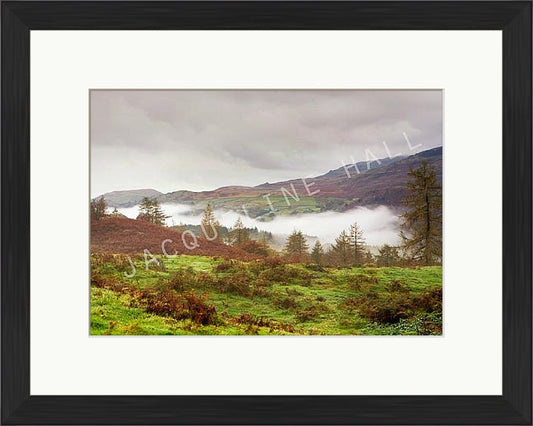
(197,140)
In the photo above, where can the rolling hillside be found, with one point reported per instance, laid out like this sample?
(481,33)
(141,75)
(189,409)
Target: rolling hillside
(129,198)
(382,183)
(129,236)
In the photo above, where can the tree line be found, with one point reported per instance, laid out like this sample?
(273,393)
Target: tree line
(149,210)
(420,234)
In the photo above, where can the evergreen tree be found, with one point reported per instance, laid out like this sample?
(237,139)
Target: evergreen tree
(150,211)
(422,222)
(368,257)
(145,210)
(239,234)
(296,243)
(210,225)
(98,208)
(357,247)
(158,215)
(317,253)
(341,249)
(388,256)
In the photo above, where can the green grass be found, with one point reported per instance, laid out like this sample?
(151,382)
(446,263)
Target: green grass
(255,298)
(260,208)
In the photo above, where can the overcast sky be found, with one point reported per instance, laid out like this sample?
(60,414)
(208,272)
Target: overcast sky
(201,140)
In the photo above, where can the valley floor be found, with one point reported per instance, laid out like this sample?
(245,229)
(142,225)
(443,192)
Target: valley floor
(201,295)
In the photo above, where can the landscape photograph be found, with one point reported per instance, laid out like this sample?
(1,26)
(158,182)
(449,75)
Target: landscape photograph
(266,212)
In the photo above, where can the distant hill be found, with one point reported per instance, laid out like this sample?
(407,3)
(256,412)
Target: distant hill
(128,198)
(130,236)
(381,182)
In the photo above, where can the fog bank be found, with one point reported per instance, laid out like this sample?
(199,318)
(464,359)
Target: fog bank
(380,225)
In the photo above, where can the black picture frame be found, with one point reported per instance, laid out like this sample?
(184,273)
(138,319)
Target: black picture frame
(513,18)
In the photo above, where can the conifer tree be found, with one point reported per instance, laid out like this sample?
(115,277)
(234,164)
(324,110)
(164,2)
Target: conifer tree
(239,234)
(158,216)
(357,245)
(317,253)
(388,256)
(368,257)
(145,209)
(341,249)
(296,243)
(209,224)
(422,222)
(150,211)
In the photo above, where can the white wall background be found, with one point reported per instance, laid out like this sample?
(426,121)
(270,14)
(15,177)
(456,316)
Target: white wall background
(466,360)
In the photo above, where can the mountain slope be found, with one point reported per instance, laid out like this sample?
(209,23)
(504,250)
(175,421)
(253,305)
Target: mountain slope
(129,236)
(380,182)
(376,183)
(129,198)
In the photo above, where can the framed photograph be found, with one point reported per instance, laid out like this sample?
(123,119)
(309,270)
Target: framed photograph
(266,212)
(354,250)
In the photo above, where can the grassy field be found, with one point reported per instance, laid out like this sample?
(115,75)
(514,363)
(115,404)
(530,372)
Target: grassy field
(260,208)
(206,295)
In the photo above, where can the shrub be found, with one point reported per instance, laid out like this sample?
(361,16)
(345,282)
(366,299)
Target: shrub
(421,324)
(98,280)
(262,287)
(199,311)
(157,264)
(167,302)
(98,259)
(254,247)
(315,267)
(431,323)
(272,261)
(389,310)
(182,279)
(225,266)
(262,322)
(267,263)
(312,311)
(292,292)
(430,300)
(109,282)
(204,279)
(397,304)
(237,283)
(288,303)
(363,282)
(397,286)
(284,273)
